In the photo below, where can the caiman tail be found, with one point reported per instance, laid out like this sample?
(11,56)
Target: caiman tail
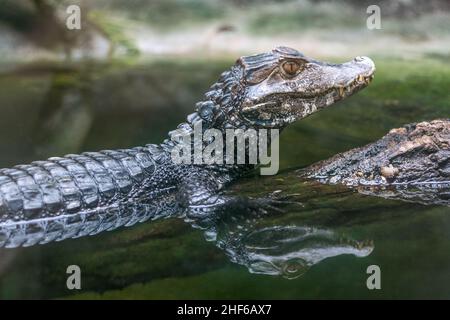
(53,199)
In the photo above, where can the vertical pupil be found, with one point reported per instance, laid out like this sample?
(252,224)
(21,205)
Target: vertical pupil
(290,67)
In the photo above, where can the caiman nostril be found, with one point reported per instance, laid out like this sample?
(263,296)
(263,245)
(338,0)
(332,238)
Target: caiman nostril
(366,60)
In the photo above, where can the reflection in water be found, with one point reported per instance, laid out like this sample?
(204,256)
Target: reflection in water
(65,118)
(284,248)
(427,194)
(291,250)
(262,239)
(66,226)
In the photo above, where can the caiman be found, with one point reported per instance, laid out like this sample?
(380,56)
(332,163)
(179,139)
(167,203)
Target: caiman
(78,195)
(410,163)
(283,247)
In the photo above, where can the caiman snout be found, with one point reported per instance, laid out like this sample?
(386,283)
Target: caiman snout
(354,75)
(367,63)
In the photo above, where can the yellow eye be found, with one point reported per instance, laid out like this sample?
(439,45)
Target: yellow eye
(290,67)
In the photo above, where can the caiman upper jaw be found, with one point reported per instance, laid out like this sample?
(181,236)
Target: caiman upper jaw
(368,68)
(364,75)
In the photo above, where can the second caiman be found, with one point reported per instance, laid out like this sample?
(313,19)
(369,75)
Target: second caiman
(410,163)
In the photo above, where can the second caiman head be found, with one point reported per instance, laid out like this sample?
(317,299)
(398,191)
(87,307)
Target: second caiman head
(274,89)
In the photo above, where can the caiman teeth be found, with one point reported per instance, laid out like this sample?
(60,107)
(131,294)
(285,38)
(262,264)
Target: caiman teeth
(341,91)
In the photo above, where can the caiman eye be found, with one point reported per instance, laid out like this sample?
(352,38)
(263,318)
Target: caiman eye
(290,67)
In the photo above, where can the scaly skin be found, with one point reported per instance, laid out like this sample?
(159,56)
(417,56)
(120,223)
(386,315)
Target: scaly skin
(409,163)
(58,198)
(284,249)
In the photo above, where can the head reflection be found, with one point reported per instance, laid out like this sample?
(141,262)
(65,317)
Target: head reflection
(284,248)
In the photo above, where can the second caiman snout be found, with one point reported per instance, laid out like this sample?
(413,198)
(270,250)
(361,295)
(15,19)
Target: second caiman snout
(284,85)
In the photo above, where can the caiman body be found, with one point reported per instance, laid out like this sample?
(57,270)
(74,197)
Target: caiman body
(84,194)
(410,163)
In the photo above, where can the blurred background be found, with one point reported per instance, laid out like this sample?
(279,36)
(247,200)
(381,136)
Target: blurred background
(36,30)
(135,70)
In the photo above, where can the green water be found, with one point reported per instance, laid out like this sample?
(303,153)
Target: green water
(48,110)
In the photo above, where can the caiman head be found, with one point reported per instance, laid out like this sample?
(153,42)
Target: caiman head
(287,251)
(274,89)
(284,86)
